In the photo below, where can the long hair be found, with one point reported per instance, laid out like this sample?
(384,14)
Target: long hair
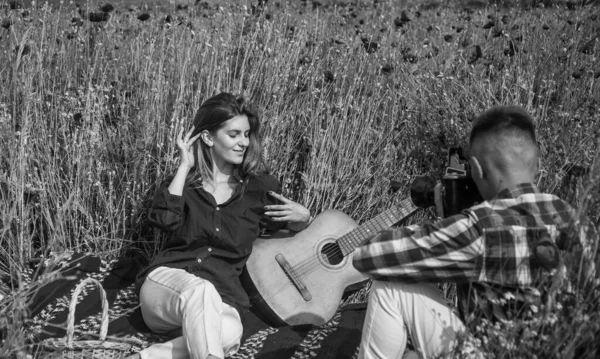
(211,116)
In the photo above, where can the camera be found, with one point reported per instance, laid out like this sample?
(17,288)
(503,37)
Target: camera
(458,190)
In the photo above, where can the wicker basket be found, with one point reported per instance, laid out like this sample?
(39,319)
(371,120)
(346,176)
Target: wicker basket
(88,349)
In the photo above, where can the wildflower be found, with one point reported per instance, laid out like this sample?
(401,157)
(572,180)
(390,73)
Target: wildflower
(587,48)
(6,23)
(98,16)
(497,32)
(107,7)
(369,45)
(402,20)
(474,54)
(489,24)
(24,51)
(511,50)
(387,69)
(578,73)
(15,4)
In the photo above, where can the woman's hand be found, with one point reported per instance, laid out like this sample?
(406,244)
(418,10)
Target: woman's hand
(289,211)
(186,163)
(186,148)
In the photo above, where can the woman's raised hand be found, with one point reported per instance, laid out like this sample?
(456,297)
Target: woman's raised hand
(186,148)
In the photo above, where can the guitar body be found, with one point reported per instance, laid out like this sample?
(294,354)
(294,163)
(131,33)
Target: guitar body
(299,278)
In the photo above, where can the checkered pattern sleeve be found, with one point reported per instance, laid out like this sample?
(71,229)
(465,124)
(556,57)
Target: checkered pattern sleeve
(448,250)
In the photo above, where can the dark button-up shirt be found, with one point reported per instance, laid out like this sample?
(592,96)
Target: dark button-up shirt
(209,240)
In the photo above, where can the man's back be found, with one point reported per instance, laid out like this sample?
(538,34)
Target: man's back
(519,232)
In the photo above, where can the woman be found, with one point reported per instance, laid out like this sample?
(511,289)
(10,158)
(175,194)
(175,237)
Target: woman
(214,206)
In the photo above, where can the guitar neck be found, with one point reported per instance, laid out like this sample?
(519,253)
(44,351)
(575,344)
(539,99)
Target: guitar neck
(349,241)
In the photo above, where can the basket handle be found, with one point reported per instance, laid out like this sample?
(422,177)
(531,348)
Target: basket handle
(71,317)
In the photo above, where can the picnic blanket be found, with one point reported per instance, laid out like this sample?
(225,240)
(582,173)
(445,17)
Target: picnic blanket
(339,338)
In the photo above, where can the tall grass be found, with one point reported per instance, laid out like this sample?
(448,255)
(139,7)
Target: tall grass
(88,114)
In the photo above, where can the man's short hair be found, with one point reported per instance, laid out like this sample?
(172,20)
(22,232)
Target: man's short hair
(503,119)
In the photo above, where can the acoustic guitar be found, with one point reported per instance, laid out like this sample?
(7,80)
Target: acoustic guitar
(299,278)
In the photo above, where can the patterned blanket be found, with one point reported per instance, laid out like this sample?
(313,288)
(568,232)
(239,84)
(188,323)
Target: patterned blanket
(339,338)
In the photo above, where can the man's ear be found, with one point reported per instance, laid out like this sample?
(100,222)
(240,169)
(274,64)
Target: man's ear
(207,138)
(476,169)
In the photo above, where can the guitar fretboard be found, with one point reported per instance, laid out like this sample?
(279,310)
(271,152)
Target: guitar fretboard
(349,241)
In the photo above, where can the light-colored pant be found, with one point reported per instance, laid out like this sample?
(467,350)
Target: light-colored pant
(172,299)
(394,307)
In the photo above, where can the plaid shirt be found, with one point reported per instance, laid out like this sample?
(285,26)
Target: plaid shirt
(490,244)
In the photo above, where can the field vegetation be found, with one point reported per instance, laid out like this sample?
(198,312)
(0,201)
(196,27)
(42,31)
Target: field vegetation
(356,99)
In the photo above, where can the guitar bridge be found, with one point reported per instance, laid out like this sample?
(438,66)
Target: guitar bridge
(291,274)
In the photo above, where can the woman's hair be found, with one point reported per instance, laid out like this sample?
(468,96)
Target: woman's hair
(211,116)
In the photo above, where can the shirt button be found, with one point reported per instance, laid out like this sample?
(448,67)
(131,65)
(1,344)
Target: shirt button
(218,208)
(217,229)
(199,260)
(209,249)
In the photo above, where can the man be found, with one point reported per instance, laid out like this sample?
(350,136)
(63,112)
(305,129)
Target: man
(505,244)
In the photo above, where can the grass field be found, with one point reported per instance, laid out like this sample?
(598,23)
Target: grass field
(354,96)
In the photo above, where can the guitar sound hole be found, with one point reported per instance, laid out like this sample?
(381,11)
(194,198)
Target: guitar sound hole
(332,254)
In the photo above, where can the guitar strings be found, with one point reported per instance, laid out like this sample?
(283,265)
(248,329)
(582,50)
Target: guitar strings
(312,263)
(306,266)
(303,268)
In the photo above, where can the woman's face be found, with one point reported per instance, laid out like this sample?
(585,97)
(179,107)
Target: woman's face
(230,142)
